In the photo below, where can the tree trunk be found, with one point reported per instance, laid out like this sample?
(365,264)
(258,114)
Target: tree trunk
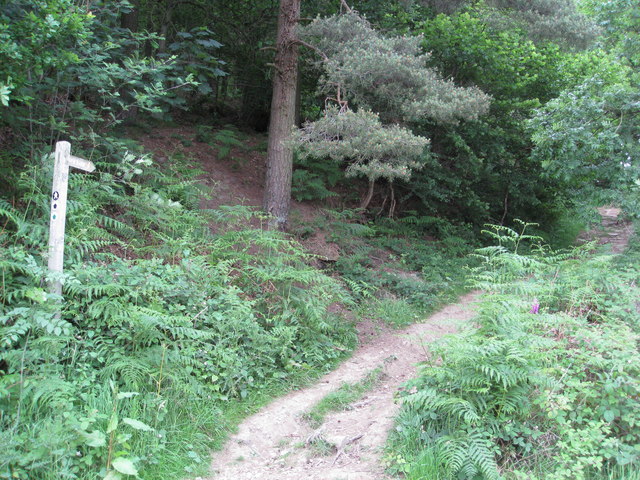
(367,199)
(164,27)
(297,119)
(277,193)
(130,19)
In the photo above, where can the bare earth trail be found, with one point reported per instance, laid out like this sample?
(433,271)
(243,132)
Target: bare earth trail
(275,442)
(615,232)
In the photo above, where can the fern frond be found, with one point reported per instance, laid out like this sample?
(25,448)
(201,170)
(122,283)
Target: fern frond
(117,226)
(132,372)
(53,394)
(10,213)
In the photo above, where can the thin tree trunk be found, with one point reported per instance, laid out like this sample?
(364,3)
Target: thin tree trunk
(298,115)
(164,27)
(392,203)
(130,20)
(367,199)
(277,193)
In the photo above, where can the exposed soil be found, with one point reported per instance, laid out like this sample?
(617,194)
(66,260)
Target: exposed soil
(235,179)
(614,231)
(277,443)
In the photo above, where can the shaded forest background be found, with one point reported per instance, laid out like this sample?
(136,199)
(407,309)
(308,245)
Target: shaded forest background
(558,129)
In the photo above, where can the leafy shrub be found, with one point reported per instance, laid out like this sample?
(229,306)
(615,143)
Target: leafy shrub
(313,180)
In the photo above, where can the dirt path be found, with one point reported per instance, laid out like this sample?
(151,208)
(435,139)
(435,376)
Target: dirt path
(275,442)
(614,232)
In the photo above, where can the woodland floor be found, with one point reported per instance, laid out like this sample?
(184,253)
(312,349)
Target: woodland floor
(277,443)
(236,179)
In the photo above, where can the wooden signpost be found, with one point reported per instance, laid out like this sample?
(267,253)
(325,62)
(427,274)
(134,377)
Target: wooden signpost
(63,160)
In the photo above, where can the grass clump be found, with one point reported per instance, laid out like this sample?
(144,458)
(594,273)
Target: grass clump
(341,398)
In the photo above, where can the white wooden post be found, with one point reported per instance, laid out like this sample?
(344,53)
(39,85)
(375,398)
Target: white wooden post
(63,160)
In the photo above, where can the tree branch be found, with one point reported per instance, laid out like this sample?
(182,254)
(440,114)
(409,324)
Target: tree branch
(314,48)
(343,4)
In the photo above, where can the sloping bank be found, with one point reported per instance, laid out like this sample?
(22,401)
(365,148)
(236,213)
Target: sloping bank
(548,385)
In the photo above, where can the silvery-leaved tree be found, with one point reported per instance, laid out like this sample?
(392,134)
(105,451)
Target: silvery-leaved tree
(374,87)
(559,21)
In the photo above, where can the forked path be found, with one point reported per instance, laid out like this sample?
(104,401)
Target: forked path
(278,444)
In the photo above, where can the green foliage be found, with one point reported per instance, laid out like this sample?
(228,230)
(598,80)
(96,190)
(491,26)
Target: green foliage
(176,321)
(74,74)
(387,74)
(194,52)
(392,261)
(502,264)
(535,392)
(544,20)
(387,79)
(619,21)
(371,149)
(395,312)
(481,171)
(37,37)
(307,186)
(559,21)
(224,140)
(586,138)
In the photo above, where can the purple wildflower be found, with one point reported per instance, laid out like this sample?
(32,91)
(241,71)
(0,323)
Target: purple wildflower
(535,307)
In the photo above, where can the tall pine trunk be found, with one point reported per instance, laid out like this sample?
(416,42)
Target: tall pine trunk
(277,193)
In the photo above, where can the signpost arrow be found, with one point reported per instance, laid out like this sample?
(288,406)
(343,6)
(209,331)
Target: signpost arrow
(63,160)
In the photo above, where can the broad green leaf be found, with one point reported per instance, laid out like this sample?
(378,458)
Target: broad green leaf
(113,423)
(125,465)
(5,90)
(122,395)
(113,475)
(38,295)
(95,439)
(137,424)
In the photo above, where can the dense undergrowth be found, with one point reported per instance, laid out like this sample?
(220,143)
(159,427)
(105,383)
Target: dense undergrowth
(169,334)
(166,334)
(546,386)
(165,329)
